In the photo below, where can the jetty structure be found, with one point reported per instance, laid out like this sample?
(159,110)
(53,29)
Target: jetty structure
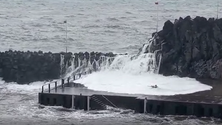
(76,96)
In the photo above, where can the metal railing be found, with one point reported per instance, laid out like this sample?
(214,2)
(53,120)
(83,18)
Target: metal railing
(57,83)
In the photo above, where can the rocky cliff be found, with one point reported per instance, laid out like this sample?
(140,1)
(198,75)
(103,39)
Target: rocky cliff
(191,47)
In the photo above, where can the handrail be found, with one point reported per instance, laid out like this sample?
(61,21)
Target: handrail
(109,102)
(99,102)
(48,83)
(76,76)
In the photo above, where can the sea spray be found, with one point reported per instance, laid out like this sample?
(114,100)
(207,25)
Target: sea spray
(144,61)
(62,64)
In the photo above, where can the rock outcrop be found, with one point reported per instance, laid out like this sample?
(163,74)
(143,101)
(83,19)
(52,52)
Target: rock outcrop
(191,47)
(26,67)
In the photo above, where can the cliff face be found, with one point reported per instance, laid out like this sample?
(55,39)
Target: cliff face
(191,47)
(26,67)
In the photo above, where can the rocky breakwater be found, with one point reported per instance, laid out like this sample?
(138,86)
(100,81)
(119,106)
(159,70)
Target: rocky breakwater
(191,47)
(27,67)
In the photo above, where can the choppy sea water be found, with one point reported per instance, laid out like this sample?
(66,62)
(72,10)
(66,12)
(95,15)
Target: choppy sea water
(118,26)
(92,25)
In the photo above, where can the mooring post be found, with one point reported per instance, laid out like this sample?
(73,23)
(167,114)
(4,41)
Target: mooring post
(49,87)
(42,89)
(55,86)
(88,103)
(144,107)
(73,102)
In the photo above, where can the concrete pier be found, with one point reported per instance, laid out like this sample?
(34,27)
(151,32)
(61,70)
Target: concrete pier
(76,96)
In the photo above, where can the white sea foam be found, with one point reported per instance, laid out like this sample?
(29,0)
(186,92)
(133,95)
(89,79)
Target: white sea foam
(25,88)
(121,82)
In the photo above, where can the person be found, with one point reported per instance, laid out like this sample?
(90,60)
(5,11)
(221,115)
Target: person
(154,86)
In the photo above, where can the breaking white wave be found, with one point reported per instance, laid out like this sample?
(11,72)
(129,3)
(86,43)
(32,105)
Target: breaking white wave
(134,64)
(13,87)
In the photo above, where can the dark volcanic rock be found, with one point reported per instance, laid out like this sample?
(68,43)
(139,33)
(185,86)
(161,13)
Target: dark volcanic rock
(192,47)
(26,67)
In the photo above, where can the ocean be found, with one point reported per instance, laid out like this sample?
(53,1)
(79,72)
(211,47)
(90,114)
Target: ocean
(118,26)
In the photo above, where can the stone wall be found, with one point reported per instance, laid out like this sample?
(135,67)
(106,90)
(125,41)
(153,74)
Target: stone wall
(26,67)
(191,47)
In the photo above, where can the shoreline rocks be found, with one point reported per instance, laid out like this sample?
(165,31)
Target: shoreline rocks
(191,47)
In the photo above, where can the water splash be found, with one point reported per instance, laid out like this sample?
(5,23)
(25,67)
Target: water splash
(86,66)
(134,64)
(144,61)
(62,64)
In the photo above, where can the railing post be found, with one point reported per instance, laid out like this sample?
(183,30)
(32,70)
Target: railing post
(42,89)
(55,86)
(62,83)
(49,87)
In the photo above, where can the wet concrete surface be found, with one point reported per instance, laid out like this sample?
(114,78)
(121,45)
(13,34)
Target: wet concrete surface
(210,96)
